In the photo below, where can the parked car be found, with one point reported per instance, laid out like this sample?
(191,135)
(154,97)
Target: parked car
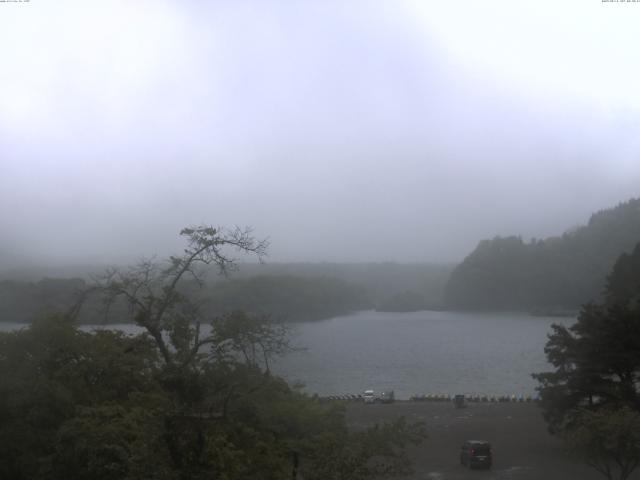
(387,396)
(476,453)
(459,401)
(369,396)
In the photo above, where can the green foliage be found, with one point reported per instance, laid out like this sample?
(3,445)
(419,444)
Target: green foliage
(404,302)
(50,372)
(592,396)
(557,273)
(379,281)
(623,285)
(288,292)
(26,301)
(104,405)
(255,339)
(286,297)
(377,452)
(172,404)
(607,440)
(111,441)
(597,360)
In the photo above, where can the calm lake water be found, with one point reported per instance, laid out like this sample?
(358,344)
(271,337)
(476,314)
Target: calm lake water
(416,353)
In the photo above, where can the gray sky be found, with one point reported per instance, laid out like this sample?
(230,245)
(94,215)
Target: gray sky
(344,131)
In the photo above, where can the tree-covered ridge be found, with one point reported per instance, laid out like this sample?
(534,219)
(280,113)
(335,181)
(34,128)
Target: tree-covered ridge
(555,273)
(381,281)
(592,395)
(286,297)
(407,301)
(292,292)
(25,301)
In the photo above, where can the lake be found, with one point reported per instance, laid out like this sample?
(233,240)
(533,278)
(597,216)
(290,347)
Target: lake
(415,353)
(421,352)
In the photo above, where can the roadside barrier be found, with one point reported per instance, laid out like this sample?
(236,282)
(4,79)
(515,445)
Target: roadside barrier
(474,398)
(441,397)
(341,398)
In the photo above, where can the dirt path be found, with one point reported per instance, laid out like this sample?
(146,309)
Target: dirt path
(522,447)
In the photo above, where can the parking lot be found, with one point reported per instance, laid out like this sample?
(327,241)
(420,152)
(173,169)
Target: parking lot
(522,447)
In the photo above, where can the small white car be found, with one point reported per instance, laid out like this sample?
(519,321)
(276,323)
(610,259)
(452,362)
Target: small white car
(369,396)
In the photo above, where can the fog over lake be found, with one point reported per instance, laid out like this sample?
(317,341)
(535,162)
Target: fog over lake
(366,179)
(414,353)
(421,352)
(344,131)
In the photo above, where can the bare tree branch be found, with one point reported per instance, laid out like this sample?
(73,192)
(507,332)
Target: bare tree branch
(154,299)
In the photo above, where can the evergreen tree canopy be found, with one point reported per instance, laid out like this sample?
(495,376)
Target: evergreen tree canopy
(597,360)
(592,398)
(176,402)
(558,273)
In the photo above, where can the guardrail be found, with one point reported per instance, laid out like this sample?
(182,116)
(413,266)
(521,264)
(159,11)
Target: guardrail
(442,397)
(474,398)
(343,398)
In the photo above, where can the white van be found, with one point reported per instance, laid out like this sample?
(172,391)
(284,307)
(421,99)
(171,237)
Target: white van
(369,396)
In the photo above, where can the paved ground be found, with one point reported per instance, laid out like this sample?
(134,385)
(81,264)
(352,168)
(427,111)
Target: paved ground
(522,447)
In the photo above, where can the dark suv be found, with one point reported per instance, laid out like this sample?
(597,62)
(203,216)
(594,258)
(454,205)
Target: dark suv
(476,453)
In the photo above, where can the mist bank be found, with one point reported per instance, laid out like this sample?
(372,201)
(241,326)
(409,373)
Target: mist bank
(548,276)
(556,274)
(286,292)
(383,283)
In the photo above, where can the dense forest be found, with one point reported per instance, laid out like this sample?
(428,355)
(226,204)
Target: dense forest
(289,292)
(554,274)
(381,281)
(590,397)
(25,301)
(175,403)
(286,297)
(408,301)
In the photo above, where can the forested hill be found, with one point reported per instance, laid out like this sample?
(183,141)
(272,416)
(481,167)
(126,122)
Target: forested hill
(552,274)
(286,291)
(286,298)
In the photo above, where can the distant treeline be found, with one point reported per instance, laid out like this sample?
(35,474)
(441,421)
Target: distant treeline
(286,297)
(387,286)
(551,276)
(26,301)
(409,301)
(291,292)
(555,274)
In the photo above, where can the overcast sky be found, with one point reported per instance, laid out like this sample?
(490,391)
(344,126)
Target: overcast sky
(342,130)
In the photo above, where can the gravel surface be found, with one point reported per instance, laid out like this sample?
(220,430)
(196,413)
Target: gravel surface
(522,447)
